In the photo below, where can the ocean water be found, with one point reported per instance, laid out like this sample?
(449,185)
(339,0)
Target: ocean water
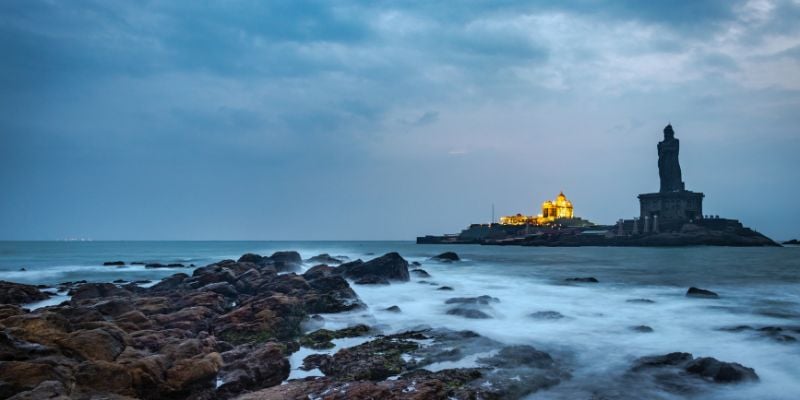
(757,287)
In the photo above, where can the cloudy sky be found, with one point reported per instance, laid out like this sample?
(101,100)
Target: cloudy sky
(386,120)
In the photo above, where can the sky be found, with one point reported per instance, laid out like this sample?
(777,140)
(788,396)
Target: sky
(351,120)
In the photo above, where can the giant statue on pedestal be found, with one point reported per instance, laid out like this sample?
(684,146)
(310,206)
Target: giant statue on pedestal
(672,205)
(669,168)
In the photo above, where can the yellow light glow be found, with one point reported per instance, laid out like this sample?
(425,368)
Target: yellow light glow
(551,211)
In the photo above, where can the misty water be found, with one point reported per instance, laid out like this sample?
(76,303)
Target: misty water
(592,338)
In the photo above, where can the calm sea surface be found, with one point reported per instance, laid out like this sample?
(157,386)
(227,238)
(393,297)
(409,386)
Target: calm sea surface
(757,287)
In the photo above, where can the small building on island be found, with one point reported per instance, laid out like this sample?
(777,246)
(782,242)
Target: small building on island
(560,208)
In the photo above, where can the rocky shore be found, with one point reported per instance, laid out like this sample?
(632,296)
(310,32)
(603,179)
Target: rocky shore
(229,329)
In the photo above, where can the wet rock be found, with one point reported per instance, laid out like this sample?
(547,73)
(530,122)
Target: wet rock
(223,288)
(394,309)
(390,266)
(546,315)
(640,301)
(416,263)
(169,283)
(320,271)
(374,360)
(324,258)
(194,374)
(155,265)
(18,293)
(671,359)
(114,263)
(314,361)
(119,281)
(703,293)
(53,390)
(704,367)
(467,312)
(719,371)
(777,333)
(104,376)
(286,260)
(447,256)
(95,344)
(252,367)
(322,338)
(444,288)
(16,349)
(589,279)
(21,376)
(642,329)
(97,290)
(372,280)
(420,273)
(482,300)
(175,265)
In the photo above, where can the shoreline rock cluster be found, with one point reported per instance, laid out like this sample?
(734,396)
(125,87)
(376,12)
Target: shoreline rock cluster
(227,331)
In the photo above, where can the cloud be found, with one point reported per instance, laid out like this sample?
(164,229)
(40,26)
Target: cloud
(288,94)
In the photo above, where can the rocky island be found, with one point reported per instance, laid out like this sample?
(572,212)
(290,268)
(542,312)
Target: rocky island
(673,216)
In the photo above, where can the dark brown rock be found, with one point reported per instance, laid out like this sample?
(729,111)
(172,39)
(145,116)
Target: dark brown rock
(18,293)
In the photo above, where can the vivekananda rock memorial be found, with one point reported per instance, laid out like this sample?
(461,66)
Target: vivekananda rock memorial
(673,216)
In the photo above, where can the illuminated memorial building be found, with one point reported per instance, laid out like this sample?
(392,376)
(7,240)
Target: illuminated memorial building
(558,209)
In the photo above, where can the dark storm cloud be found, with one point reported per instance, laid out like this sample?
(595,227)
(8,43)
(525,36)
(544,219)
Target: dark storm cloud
(118,113)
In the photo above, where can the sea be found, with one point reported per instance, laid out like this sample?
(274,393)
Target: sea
(591,332)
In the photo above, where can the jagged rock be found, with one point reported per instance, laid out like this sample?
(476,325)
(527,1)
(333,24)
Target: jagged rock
(320,271)
(223,288)
(697,292)
(52,390)
(546,315)
(321,338)
(105,376)
(95,344)
(484,300)
(704,367)
(194,374)
(286,260)
(583,280)
(374,360)
(170,283)
(98,290)
(324,258)
(470,313)
(16,349)
(640,301)
(372,280)
(421,273)
(719,371)
(252,367)
(390,266)
(447,256)
(18,293)
(642,329)
(21,376)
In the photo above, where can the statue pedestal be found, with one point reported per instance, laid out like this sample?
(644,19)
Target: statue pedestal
(671,207)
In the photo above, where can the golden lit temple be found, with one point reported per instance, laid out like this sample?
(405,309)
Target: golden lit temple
(560,208)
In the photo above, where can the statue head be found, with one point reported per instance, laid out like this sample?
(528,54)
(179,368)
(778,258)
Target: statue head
(668,132)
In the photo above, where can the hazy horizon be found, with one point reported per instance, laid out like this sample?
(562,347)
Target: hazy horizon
(306,120)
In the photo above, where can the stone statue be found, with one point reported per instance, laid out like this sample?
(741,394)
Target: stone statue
(669,169)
